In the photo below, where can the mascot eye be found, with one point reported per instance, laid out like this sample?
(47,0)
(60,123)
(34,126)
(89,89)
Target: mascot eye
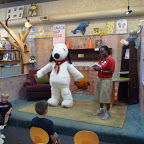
(64,49)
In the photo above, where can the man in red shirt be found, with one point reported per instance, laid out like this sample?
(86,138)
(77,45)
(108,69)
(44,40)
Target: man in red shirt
(103,88)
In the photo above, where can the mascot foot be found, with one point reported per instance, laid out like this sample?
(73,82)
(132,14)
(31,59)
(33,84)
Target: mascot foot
(67,103)
(53,102)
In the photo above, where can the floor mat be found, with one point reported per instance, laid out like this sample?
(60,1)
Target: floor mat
(83,110)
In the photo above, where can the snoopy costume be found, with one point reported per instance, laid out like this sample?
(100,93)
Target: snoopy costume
(60,66)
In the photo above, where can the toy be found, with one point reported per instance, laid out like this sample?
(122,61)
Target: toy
(101,32)
(32,59)
(81,27)
(60,66)
(132,37)
(32,10)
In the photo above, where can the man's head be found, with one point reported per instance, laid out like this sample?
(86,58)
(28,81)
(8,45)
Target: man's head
(4,97)
(41,107)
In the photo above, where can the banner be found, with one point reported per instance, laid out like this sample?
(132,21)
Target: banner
(58,34)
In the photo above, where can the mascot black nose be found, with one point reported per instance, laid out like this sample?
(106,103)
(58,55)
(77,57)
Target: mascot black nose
(56,56)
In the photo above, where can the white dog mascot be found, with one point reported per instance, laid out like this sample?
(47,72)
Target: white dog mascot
(60,66)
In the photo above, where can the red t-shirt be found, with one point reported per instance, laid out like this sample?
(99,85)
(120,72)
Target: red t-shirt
(107,65)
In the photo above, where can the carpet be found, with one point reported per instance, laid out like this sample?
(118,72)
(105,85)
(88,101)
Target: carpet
(83,111)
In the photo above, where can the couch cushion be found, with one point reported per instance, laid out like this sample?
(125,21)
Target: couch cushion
(43,80)
(38,88)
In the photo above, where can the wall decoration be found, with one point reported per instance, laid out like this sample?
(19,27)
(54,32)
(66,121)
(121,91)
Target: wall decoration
(45,35)
(3,34)
(110,27)
(58,34)
(15,12)
(81,27)
(32,10)
(101,32)
(96,30)
(122,26)
(31,33)
(98,43)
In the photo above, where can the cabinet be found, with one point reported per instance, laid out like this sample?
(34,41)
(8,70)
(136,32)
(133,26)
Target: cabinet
(9,56)
(84,54)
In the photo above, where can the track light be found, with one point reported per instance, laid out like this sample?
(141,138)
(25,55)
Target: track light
(129,11)
(27,24)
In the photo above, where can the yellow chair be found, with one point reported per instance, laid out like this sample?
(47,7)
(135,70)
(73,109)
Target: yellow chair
(39,136)
(86,137)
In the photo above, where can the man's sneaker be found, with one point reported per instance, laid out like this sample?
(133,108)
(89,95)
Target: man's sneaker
(99,112)
(106,115)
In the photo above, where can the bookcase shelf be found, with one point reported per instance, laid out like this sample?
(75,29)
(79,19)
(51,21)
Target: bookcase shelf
(13,56)
(9,61)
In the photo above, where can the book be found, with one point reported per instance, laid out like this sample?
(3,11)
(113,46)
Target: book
(5,56)
(95,64)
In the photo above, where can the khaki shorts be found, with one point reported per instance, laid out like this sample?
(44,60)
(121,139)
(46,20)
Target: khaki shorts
(103,90)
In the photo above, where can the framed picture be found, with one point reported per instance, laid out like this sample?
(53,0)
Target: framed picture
(96,30)
(122,26)
(15,12)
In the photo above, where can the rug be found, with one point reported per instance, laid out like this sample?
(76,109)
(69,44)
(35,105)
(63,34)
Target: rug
(82,111)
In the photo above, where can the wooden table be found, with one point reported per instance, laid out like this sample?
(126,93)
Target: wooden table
(117,79)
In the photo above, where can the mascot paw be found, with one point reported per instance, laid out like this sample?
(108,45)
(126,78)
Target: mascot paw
(67,103)
(39,74)
(124,42)
(53,102)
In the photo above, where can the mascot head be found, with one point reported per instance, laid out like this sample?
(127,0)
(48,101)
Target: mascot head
(60,52)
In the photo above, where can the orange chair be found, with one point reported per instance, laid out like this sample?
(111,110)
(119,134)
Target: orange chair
(39,136)
(86,137)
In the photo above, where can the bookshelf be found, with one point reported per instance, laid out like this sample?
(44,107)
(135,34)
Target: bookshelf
(10,56)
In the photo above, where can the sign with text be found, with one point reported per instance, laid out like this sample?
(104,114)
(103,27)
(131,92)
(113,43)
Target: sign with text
(58,34)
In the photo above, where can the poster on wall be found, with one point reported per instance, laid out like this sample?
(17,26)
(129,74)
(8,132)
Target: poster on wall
(110,27)
(3,34)
(58,34)
(15,12)
(31,33)
(122,26)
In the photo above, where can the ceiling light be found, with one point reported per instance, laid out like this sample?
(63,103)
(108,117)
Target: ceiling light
(27,24)
(129,11)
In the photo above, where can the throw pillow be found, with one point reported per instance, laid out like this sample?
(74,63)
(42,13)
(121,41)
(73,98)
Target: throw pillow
(43,80)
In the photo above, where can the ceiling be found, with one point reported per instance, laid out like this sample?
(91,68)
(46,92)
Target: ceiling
(26,1)
(9,1)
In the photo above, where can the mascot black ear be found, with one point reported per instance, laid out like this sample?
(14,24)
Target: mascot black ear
(51,59)
(68,58)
